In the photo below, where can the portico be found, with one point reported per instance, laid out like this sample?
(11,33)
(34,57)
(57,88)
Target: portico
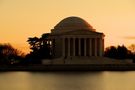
(73,41)
(74,37)
(77,46)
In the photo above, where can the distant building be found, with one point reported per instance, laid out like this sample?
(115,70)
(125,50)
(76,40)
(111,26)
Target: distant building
(74,37)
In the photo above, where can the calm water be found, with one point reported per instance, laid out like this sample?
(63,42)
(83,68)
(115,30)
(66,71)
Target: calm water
(67,80)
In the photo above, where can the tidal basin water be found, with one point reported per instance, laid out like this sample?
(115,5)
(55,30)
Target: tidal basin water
(102,80)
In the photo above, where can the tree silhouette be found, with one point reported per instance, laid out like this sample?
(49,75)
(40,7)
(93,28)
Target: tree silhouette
(111,52)
(119,52)
(10,55)
(122,52)
(40,47)
(132,48)
(34,43)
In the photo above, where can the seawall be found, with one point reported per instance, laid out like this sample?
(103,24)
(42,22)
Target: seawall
(89,67)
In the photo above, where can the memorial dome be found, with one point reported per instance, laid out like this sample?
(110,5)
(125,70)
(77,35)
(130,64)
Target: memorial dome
(73,23)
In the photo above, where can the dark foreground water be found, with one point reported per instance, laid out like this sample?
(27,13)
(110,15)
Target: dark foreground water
(103,80)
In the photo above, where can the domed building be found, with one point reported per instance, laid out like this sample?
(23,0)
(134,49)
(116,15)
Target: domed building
(75,37)
(75,42)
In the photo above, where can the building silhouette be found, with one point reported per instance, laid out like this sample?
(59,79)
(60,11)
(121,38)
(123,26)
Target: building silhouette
(73,37)
(74,41)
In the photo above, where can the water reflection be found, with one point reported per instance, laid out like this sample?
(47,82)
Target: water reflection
(67,81)
(119,80)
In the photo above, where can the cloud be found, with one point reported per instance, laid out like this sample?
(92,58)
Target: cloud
(129,37)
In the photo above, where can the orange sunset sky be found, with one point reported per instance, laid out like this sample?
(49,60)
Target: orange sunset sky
(20,19)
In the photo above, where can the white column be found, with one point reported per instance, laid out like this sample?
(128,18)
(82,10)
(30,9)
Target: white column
(95,47)
(79,48)
(102,46)
(68,46)
(101,50)
(73,46)
(53,47)
(85,51)
(90,47)
(63,52)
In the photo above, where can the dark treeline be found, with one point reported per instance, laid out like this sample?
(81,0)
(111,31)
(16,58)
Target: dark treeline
(9,55)
(120,52)
(41,49)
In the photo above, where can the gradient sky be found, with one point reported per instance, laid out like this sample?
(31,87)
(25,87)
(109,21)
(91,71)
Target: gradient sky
(20,19)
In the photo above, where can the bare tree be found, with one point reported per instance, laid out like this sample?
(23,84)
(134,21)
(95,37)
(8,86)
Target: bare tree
(132,48)
(9,54)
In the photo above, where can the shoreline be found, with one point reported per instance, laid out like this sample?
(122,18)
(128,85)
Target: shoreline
(69,67)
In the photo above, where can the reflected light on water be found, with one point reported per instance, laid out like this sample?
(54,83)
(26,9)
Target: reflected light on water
(14,81)
(119,80)
(67,80)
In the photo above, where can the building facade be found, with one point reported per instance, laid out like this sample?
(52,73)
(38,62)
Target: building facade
(74,37)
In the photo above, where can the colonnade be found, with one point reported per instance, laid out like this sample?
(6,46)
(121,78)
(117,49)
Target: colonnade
(82,47)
